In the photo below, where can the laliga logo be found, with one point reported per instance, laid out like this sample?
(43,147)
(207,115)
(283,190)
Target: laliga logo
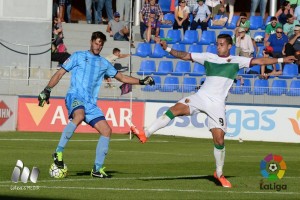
(25,173)
(272,167)
(295,123)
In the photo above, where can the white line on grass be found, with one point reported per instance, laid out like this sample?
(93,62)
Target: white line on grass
(160,190)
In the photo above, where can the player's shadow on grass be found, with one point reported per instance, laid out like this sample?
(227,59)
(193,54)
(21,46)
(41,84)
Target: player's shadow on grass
(210,178)
(88,173)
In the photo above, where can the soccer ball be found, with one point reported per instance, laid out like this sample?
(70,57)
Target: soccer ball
(272,167)
(56,172)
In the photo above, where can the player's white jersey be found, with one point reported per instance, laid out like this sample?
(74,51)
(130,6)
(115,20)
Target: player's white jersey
(220,73)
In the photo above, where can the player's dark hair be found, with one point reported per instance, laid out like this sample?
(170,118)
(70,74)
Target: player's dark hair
(98,34)
(115,50)
(227,37)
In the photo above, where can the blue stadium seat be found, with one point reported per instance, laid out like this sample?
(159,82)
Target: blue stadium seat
(171,84)
(237,88)
(198,70)
(261,87)
(294,88)
(267,21)
(232,50)
(216,17)
(152,88)
(278,88)
(182,68)
(232,24)
(165,5)
(158,52)
(227,32)
(161,35)
(256,22)
(208,37)
(147,67)
(196,48)
(143,50)
(168,17)
(241,71)
(260,52)
(175,35)
(212,49)
(255,68)
(189,84)
(190,37)
(289,71)
(178,47)
(165,67)
(259,33)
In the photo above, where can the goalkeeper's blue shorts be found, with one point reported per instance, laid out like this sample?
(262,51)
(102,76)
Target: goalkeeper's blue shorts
(93,114)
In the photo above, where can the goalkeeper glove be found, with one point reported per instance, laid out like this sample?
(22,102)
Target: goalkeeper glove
(44,96)
(147,81)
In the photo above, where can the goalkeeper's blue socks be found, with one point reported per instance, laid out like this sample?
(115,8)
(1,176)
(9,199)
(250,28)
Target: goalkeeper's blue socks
(66,136)
(101,151)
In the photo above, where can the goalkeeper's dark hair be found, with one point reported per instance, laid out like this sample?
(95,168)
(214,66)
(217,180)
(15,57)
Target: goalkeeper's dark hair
(98,34)
(227,37)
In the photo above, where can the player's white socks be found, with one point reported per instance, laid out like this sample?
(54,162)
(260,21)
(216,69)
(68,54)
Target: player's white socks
(219,157)
(159,123)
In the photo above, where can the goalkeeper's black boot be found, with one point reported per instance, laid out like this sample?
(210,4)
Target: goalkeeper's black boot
(99,174)
(58,160)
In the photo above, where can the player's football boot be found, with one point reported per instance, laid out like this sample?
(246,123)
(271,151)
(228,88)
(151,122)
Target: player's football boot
(58,160)
(224,182)
(99,174)
(140,134)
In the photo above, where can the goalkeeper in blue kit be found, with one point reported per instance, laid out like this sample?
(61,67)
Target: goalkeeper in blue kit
(87,72)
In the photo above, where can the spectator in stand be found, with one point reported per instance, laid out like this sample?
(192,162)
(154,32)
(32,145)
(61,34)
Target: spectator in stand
(269,70)
(202,16)
(277,42)
(271,28)
(145,15)
(108,8)
(262,7)
(293,44)
(123,7)
(192,4)
(182,12)
(68,7)
(117,29)
(294,3)
(288,28)
(297,13)
(243,22)
(61,12)
(91,5)
(283,11)
(223,19)
(244,44)
(214,6)
(231,8)
(54,9)
(153,26)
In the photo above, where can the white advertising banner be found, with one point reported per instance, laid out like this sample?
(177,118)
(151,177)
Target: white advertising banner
(8,113)
(254,123)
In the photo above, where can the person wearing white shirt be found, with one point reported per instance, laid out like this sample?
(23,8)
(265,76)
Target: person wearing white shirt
(214,6)
(202,16)
(244,44)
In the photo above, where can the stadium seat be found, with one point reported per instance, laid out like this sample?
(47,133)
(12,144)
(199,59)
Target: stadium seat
(211,26)
(152,88)
(195,48)
(232,24)
(165,67)
(256,22)
(175,35)
(255,69)
(212,49)
(178,47)
(171,84)
(198,70)
(189,84)
(158,52)
(147,67)
(278,87)
(232,50)
(294,88)
(190,37)
(182,68)
(168,17)
(289,71)
(261,35)
(143,50)
(165,5)
(261,87)
(260,51)
(227,32)
(161,35)
(237,88)
(267,21)
(208,37)
(241,71)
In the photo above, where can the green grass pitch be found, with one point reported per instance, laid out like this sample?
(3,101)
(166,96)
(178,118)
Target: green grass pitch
(166,167)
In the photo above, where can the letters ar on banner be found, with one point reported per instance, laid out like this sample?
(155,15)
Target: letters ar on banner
(53,117)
